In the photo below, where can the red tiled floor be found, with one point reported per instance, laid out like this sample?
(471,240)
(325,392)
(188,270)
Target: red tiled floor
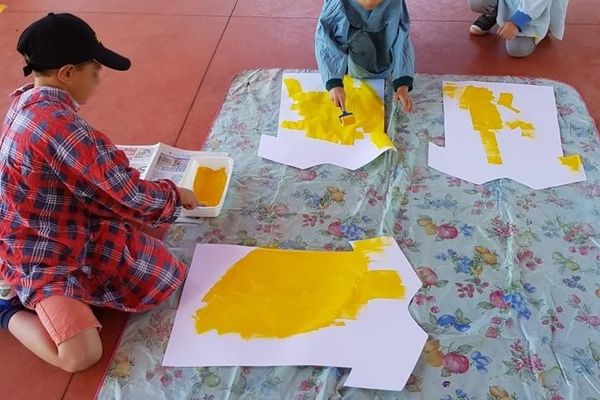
(440,10)
(148,103)
(287,43)
(27,377)
(183,7)
(584,12)
(281,8)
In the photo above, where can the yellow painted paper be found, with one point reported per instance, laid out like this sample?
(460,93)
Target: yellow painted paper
(277,293)
(320,117)
(486,117)
(573,162)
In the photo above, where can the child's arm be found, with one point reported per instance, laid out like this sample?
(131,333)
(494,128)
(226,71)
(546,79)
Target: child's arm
(331,58)
(99,175)
(527,11)
(403,59)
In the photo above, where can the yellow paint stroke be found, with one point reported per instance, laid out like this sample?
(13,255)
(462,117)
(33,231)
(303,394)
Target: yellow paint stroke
(486,117)
(506,100)
(280,293)
(320,117)
(573,162)
(527,128)
(3,7)
(209,185)
(450,89)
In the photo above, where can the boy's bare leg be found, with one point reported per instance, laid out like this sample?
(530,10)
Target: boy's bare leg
(75,354)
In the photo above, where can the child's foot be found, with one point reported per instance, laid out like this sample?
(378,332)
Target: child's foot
(483,25)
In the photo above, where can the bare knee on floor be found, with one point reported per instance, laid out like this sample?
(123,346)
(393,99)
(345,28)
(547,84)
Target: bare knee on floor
(520,47)
(81,351)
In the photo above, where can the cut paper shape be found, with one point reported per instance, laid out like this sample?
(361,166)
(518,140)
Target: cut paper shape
(263,307)
(502,130)
(310,132)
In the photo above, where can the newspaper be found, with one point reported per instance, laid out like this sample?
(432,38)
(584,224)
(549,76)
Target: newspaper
(161,161)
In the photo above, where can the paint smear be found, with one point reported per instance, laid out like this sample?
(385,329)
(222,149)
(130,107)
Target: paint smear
(320,118)
(485,115)
(281,293)
(3,7)
(573,162)
(209,185)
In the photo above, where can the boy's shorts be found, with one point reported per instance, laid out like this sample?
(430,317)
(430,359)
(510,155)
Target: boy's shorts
(65,318)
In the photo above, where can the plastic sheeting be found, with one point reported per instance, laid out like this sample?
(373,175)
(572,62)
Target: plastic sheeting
(511,295)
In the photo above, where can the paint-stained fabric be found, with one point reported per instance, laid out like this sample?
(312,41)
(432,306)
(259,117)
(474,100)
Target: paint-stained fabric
(68,205)
(377,42)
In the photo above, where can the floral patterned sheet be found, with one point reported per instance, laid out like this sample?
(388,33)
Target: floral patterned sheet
(511,295)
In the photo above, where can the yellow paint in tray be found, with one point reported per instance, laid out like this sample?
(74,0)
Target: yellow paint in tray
(209,185)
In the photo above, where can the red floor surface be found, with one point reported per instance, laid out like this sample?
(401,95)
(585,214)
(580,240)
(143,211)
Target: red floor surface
(185,54)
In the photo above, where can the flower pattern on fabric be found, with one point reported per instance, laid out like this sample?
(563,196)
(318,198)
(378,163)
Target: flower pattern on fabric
(511,276)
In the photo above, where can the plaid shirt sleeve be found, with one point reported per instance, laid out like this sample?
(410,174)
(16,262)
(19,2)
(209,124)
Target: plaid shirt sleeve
(99,175)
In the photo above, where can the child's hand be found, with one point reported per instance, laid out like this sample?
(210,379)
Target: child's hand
(188,198)
(338,97)
(403,97)
(508,31)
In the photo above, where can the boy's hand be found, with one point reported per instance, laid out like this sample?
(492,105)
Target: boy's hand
(338,97)
(508,31)
(403,97)
(188,198)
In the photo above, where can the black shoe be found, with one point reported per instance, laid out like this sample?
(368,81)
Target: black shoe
(483,25)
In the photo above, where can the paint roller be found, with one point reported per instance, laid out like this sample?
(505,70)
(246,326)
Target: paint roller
(347,118)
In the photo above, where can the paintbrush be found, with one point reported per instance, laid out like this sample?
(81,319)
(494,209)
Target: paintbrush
(347,118)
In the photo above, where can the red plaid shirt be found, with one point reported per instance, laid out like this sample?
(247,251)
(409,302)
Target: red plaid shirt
(69,204)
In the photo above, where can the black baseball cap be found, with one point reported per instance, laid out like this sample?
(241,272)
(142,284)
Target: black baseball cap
(62,39)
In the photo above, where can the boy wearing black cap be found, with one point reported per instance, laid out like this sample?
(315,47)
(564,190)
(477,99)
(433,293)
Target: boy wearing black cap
(70,205)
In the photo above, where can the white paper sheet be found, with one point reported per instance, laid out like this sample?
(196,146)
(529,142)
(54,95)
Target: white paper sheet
(292,147)
(531,161)
(381,346)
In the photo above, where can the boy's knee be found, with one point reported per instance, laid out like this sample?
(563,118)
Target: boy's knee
(483,6)
(81,352)
(520,47)
(75,362)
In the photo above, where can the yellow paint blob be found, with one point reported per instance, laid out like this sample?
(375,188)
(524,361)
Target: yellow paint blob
(572,162)
(485,115)
(281,293)
(209,185)
(320,117)
(3,7)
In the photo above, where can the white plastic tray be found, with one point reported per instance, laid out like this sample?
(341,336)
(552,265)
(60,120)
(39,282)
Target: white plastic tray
(214,161)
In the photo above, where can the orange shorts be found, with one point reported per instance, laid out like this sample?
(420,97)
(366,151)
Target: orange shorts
(65,318)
